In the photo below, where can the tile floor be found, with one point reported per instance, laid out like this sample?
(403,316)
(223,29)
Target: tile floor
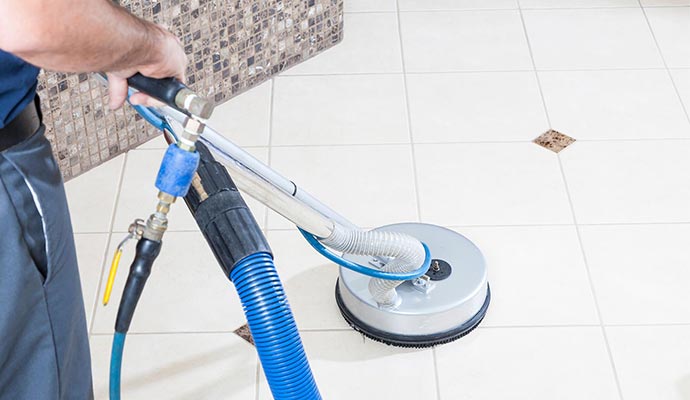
(427,112)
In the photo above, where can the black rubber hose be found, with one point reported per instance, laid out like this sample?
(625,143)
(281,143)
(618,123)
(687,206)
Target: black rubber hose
(164,89)
(139,271)
(222,214)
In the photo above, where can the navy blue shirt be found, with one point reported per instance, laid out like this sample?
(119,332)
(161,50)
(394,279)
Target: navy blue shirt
(17,86)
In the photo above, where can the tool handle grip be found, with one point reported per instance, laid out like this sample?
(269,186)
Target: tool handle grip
(164,89)
(173,93)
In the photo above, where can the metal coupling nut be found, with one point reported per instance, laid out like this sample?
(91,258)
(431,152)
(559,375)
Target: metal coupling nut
(193,128)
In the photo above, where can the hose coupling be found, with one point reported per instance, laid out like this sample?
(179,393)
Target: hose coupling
(157,223)
(193,128)
(196,105)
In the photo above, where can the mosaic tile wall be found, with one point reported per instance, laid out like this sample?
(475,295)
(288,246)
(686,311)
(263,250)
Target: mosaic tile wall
(232,46)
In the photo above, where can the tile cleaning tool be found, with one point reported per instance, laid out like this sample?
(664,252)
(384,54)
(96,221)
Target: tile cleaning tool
(234,236)
(406,284)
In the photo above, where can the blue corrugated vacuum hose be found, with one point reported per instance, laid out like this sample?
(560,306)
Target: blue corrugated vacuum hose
(273,328)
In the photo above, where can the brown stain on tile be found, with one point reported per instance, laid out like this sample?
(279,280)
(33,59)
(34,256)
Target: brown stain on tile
(244,333)
(554,140)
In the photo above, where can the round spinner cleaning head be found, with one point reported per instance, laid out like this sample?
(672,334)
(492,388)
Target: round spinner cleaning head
(451,304)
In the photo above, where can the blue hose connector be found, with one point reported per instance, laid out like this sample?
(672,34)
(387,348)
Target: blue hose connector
(273,328)
(177,171)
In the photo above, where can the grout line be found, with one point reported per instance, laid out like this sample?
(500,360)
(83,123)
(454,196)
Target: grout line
(464,142)
(534,66)
(633,140)
(461,226)
(110,232)
(542,326)
(591,282)
(516,8)
(415,172)
(414,165)
(573,216)
(130,333)
(470,142)
(257,378)
(317,330)
(642,325)
(663,60)
(422,10)
(212,332)
(634,223)
(540,225)
(438,384)
(315,74)
(480,327)
(630,325)
(468,71)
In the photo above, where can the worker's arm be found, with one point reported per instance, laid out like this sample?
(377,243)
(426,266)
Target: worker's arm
(88,36)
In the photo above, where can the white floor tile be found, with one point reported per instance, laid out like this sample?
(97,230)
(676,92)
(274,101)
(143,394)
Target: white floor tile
(138,194)
(186,292)
(591,39)
(413,5)
(352,109)
(652,362)
(309,281)
(490,184)
(654,3)
(90,253)
(614,104)
(369,5)
(527,363)
(464,40)
(245,119)
(91,197)
(371,44)
(671,28)
(527,4)
(347,368)
(475,107)
(188,366)
(619,182)
(537,276)
(640,272)
(681,78)
(345,139)
(369,185)
(154,143)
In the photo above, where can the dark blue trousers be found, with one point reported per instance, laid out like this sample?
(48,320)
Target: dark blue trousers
(44,348)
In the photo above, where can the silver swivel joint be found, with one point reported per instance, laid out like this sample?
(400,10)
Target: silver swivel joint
(194,104)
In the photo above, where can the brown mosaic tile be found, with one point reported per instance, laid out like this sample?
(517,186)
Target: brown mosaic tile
(232,45)
(554,140)
(244,333)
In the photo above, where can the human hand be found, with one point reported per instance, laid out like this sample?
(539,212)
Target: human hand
(167,60)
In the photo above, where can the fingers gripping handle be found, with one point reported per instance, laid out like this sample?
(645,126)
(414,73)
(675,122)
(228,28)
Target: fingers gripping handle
(164,89)
(173,93)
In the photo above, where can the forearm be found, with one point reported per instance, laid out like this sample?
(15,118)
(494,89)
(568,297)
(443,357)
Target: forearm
(77,35)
